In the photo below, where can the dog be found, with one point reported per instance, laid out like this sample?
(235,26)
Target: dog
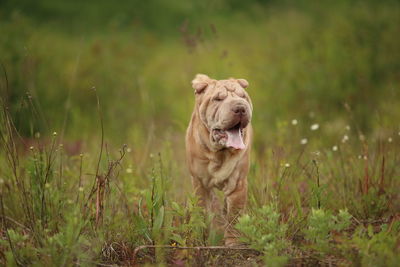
(218,141)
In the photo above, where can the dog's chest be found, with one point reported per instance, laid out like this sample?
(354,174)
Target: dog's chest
(220,171)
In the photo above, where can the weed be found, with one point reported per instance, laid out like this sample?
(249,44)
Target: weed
(264,231)
(321,225)
(376,247)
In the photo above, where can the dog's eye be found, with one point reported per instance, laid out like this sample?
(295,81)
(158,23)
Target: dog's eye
(219,97)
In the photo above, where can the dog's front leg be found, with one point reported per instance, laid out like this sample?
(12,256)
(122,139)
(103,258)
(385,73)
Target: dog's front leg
(235,203)
(205,195)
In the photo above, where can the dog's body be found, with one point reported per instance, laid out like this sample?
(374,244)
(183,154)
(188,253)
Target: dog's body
(218,143)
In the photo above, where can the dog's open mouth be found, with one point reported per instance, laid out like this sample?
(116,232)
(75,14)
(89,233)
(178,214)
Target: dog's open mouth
(231,137)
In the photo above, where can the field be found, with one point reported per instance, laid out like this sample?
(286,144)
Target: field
(96,98)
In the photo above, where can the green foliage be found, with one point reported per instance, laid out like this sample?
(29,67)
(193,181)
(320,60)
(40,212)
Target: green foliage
(59,248)
(321,224)
(373,204)
(23,253)
(68,244)
(376,248)
(191,227)
(150,222)
(264,231)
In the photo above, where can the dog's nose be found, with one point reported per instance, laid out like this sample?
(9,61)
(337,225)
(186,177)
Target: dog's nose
(239,110)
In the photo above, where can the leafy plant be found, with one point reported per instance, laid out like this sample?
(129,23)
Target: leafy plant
(191,224)
(320,225)
(150,218)
(264,231)
(377,248)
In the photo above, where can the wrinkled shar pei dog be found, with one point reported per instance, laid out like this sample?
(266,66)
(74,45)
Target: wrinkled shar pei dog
(218,142)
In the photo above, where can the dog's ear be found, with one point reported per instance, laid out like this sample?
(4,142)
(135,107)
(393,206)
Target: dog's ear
(244,83)
(200,82)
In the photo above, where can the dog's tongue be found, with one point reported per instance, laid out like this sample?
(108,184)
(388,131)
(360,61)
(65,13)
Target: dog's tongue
(235,139)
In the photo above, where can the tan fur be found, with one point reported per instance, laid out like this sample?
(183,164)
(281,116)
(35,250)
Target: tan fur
(212,165)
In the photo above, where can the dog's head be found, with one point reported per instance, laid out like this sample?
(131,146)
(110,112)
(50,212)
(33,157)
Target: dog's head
(225,108)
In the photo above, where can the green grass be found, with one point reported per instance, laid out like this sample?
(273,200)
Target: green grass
(93,121)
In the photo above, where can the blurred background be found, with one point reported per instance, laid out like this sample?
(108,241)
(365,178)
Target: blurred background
(334,63)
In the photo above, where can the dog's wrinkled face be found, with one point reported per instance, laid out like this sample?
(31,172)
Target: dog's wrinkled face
(224,108)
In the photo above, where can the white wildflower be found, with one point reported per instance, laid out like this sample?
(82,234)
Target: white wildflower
(347,127)
(303,141)
(345,138)
(129,170)
(54,133)
(390,139)
(294,122)
(335,148)
(129,150)
(287,165)
(314,127)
